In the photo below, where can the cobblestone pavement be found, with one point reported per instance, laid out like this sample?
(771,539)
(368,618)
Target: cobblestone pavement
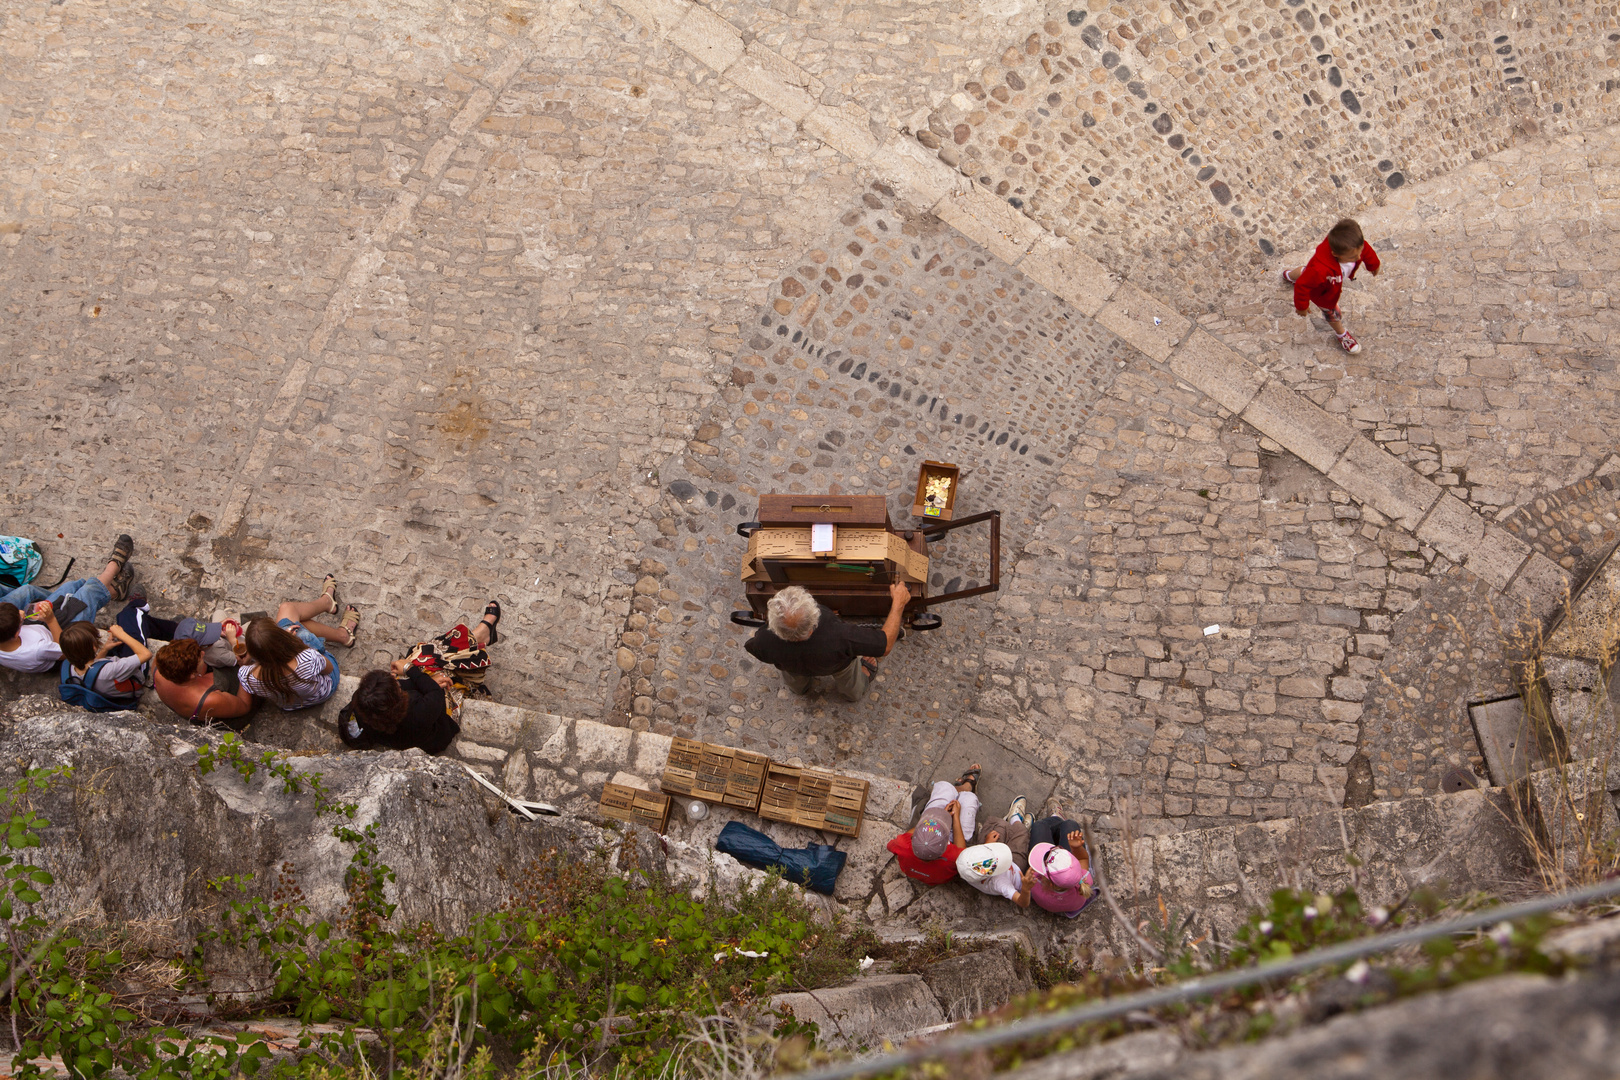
(525,299)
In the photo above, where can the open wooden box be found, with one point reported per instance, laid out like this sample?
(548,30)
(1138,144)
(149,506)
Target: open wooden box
(931,470)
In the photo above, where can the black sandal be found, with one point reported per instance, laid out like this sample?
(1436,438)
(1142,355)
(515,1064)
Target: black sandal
(492,608)
(971,779)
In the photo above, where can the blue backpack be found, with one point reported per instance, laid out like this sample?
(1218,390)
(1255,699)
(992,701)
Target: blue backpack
(82,692)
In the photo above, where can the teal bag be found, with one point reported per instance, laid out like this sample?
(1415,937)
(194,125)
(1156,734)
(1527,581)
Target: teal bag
(20,561)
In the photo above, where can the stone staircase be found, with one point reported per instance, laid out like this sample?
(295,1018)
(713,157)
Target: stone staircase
(1459,841)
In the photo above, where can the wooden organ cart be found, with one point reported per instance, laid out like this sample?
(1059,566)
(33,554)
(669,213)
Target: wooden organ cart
(849,566)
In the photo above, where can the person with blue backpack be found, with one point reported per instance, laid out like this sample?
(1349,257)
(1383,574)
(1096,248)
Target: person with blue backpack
(93,680)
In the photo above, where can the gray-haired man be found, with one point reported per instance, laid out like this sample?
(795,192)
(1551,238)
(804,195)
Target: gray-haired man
(805,640)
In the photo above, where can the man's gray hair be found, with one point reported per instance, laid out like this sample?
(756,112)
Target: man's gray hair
(793,614)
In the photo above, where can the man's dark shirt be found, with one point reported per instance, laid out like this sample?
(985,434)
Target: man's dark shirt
(826,652)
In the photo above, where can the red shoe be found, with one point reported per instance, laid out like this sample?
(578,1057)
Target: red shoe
(1348,343)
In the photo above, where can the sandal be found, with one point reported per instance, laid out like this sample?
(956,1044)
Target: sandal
(329,590)
(121,582)
(970,778)
(123,548)
(869,665)
(351,625)
(492,608)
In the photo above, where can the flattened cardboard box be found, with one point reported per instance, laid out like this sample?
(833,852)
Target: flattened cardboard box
(854,545)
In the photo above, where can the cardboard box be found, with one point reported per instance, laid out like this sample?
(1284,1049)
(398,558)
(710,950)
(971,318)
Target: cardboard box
(715,773)
(636,806)
(854,545)
(814,799)
(930,470)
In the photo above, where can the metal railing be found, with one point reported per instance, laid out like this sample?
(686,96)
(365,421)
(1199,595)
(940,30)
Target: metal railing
(1033,1026)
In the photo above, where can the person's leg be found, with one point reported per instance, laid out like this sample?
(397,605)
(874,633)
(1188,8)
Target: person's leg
(851,683)
(1047,831)
(1018,839)
(799,684)
(23,596)
(970,811)
(91,592)
(299,611)
(941,795)
(485,633)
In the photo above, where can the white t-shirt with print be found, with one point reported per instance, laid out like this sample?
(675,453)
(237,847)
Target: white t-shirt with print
(36,653)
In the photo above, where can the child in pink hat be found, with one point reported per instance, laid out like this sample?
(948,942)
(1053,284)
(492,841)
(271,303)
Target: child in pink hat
(1059,881)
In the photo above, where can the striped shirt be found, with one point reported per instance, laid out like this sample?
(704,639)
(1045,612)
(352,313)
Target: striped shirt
(312,683)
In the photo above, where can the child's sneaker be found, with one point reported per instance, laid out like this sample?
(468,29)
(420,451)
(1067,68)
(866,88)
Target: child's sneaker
(1019,811)
(1348,343)
(1287,282)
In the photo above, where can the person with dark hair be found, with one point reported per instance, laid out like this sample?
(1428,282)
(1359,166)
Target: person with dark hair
(1321,280)
(291,664)
(417,701)
(31,619)
(121,679)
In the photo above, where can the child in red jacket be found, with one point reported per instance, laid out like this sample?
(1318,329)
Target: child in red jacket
(1320,281)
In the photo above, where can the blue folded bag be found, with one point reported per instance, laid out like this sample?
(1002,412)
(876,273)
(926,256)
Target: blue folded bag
(815,867)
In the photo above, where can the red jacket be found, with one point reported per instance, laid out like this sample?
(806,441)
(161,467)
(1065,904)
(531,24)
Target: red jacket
(928,871)
(1323,280)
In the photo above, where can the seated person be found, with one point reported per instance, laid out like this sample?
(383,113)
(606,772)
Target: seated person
(120,679)
(1012,830)
(928,852)
(291,665)
(28,640)
(1060,863)
(218,639)
(803,639)
(29,646)
(184,683)
(991,869)
(412,704)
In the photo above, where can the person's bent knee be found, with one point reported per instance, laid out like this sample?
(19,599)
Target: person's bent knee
(287,610)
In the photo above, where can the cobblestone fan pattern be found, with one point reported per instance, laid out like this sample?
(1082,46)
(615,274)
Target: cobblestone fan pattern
(885,63)
(1178,141)
(894,341)
(1575,527)
(1487,358)
(1192,630)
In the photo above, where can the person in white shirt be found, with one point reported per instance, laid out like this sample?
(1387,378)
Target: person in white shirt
(990,869)
(29,646)
(29,626)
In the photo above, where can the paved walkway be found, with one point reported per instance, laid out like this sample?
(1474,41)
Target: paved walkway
(539,304)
